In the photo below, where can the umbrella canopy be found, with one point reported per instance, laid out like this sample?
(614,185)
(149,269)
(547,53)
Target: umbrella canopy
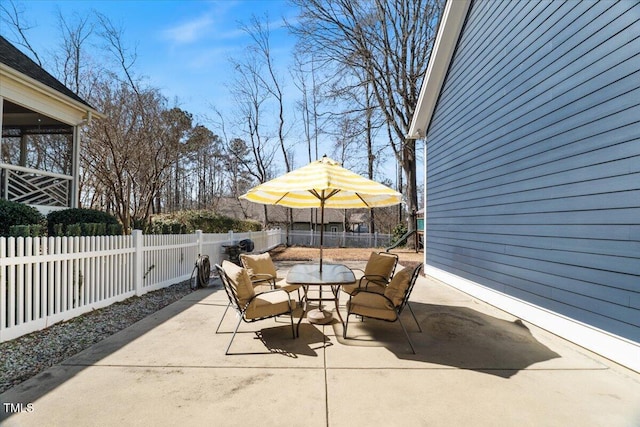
(320,184)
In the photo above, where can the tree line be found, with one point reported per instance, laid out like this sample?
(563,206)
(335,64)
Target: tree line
(354,79)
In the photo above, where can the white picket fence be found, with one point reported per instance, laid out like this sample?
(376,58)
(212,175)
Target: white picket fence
(48,280)
(339,239)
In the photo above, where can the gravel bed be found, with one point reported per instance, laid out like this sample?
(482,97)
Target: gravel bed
(26,356)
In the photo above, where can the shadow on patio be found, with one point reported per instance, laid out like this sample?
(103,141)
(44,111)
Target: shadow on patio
(458,337)
(454,336)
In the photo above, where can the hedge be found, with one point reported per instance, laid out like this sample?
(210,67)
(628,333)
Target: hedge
(14,213)
(207,221)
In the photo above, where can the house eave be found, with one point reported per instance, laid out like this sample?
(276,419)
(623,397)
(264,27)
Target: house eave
(87,112)
(453,18)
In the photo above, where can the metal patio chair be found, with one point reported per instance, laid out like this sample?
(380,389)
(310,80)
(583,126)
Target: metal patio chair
(386,306)
(263,271)
(251,306)
(376,275)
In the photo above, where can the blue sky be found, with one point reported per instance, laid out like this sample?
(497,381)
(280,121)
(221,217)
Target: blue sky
(183,47)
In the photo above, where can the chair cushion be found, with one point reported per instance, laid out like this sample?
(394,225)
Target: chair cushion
(269,304)
(380,265)
(259,264)
(240,281)
(397,289)
(371,305)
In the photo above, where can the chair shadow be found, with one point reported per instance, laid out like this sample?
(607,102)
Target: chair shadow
(454,336)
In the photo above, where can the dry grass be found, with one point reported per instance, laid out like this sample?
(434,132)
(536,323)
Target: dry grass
(407,257)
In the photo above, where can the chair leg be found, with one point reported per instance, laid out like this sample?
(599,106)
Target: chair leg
(293,330)
(222,318)
(233,336)
(406,334)
(414,317)
(346,324)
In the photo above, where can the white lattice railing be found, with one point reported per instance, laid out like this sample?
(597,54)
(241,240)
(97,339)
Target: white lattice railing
(51,279)
(35,187)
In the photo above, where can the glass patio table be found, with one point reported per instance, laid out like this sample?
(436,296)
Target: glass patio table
(309,276)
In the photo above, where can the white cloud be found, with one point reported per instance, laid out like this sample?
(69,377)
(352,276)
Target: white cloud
(189,32)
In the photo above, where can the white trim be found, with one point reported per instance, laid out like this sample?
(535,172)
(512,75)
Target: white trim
(34,171)
(1,113)
(75,151)
(449,30)
(20,78)
(27,96)
(613,347)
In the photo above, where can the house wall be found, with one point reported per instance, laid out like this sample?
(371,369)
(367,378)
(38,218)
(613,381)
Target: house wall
(533,159)
(335,227)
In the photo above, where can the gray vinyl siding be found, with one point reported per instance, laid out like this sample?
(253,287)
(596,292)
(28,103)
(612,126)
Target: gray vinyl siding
(533,158)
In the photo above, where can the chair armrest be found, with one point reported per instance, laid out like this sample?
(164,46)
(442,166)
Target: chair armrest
(263,277)
(375,278)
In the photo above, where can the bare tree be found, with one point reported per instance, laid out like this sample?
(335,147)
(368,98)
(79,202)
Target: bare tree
(389,42)
(305,78)
(143,157)
(259,32)
(207,166)
(12,17)
(132,159)
(251,95)
(72,60)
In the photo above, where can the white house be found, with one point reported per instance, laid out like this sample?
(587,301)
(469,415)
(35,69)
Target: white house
(530,113)
(39,149)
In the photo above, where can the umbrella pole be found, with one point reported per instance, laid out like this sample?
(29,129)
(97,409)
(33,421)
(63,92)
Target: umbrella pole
(321,228)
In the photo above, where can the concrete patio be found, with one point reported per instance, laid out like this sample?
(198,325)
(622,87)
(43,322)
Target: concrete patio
(475,366)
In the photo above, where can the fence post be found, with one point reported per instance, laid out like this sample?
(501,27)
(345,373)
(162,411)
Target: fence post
(199,241)
(231,236)
(138,243)
(3,288)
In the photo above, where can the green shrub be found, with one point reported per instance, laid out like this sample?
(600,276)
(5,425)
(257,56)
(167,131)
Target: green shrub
(398,231)
(207,221)
(33,230)
(20,231)
(93,228)
(58,222)
(14,213)
(74,230)
(114,229)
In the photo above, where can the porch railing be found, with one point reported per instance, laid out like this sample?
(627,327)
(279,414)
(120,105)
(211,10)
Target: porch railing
(35,187)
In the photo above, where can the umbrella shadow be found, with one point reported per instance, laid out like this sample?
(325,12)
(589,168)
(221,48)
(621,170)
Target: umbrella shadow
(310,340)
(455,336)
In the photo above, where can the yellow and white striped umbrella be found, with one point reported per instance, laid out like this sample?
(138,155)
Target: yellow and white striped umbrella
(320,184)
(323,183)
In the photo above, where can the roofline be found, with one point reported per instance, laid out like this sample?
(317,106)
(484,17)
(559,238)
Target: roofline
(453,17)
(46,90)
